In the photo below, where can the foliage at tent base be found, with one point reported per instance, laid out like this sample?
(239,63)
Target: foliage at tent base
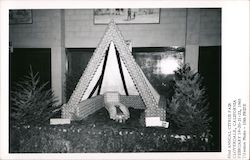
(98,133)
(90,139)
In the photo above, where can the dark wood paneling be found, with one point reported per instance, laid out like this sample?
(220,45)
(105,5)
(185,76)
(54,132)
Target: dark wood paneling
(210,69)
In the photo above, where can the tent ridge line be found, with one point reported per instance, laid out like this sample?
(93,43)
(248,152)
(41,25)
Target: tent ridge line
(121,70)
(103,45)
(99,82)
(126,50)
(132,59)
(103,70)
(85,78)
(142,89)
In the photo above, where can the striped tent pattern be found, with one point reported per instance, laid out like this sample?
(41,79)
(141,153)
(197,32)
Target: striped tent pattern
(149,96)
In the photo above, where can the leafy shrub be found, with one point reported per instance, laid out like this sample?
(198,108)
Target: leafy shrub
(31,102)
(164,85)
(89,139)
(98,133)
(188,108)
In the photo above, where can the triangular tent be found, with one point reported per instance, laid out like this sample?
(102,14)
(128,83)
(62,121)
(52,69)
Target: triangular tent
(112,69)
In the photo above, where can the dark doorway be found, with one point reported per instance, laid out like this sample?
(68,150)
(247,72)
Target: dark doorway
(78,59)
(210,69)
(19,66)
(22,58)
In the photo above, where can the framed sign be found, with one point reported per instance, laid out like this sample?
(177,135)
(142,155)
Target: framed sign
(20,16)
(127,15)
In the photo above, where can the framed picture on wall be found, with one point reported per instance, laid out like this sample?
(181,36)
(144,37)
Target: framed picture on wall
(20,16)
(127,15)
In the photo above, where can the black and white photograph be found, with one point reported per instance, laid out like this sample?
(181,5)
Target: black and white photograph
(81,89)
(123,81)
